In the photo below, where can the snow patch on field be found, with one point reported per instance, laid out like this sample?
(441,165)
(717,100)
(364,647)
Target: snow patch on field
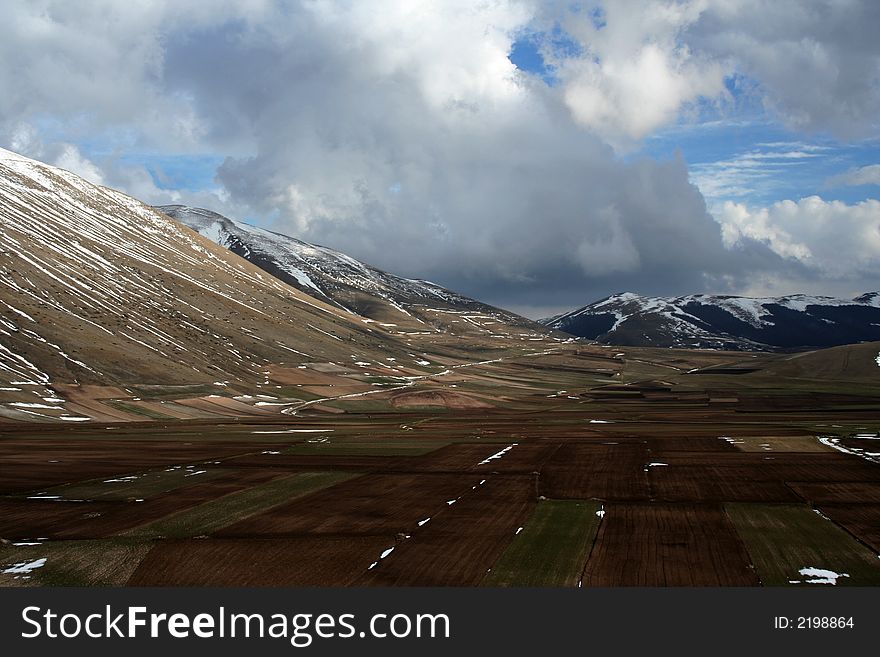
(855,451)
(497,455)
(821,576)
(25,567)
(384,554)
(296,431)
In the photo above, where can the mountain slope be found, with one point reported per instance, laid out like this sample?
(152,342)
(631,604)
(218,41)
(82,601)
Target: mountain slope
(104,297)
(406,305)
(725,322)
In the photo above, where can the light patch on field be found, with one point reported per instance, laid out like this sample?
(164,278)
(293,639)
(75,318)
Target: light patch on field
(821,576)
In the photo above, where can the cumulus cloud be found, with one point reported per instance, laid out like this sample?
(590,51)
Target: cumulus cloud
(635,72)
(833,238)
(817,63)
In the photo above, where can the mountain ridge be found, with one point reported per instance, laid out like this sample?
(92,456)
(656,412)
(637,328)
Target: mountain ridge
(357,287)
(791,322)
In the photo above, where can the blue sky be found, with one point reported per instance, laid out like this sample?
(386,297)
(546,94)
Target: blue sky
(735,150)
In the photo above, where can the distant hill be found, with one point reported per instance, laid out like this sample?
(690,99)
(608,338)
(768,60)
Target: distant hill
(794,322)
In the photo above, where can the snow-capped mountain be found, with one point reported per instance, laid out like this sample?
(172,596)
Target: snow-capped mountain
(725,322)
(111,310)
(99,290)
(336,278)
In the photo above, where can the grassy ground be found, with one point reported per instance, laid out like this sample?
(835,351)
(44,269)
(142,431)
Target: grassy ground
(552,547)
(219,513)
(135,485)
(106,562)
(782,539)
(381,448)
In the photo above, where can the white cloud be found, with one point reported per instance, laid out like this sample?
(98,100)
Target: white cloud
(758,171)
(867,175)
(816,62)
(71,159)
(831,238)
(635,73)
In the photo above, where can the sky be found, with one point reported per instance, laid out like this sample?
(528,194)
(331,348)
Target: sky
(537,155)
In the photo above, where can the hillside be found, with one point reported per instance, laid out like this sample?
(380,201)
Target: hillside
(104,298)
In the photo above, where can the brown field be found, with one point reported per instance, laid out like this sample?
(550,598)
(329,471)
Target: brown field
(610,472)
(844,492)
(305,561)
(860,520)
(460,542)
(701,483)
(442,398)
(667,545)
(372,504)
(666,486)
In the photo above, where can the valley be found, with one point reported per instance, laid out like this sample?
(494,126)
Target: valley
(580,466)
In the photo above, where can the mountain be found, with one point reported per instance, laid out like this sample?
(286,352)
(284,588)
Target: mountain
(111,310)
(725,322)
(404,304)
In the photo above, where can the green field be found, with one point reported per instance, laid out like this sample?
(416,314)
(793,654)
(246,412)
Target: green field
(552,547)
(782,539)
(364,448)
(211,516)
(136,485)
(105,562)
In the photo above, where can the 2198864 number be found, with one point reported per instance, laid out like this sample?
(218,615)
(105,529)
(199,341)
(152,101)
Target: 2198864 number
(813,623)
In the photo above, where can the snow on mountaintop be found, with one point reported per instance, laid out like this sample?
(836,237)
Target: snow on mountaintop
(409,305)
(301,259)
(721,321)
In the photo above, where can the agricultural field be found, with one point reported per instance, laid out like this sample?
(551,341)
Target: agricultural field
(583,466)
